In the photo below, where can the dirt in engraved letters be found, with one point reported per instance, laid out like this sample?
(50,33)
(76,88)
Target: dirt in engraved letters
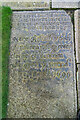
(42,65)
(40,59)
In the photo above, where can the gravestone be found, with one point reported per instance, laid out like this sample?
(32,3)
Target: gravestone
(66,4)
(42,66)
(77,41)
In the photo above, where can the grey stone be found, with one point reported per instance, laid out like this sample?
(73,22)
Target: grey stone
(77,41)
(77,35)
(78,84)
(66,4)
(44,4)
(42,66)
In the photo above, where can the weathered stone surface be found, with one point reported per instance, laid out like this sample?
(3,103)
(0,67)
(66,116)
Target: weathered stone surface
(42,71)
(44,4)
(77,41)
(66,4)
(78,84)
(77,34)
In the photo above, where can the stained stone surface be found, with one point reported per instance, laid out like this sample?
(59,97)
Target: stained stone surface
(77,34)
(43,4)
(66,4)
(42,71)
(77,41)
(78,84)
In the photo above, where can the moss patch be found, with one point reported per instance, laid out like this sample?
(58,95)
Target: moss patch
(6,30)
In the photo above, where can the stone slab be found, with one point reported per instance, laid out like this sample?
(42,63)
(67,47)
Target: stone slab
(26,5)
(78,84)
(77,41)
(77,35)
(66,4)
(42,81)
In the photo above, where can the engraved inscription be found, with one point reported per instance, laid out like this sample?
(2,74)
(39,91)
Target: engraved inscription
(43,60)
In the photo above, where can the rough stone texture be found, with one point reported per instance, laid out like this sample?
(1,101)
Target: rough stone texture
(42,67)
(27,5)
(77,34)
(77,41)
(66,4)
(78,84)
